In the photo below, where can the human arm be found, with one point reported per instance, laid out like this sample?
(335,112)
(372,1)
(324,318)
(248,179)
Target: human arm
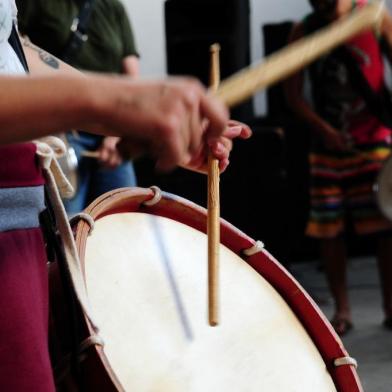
(295,97)
(43,64)
(162,118)
(108,153)
(110,156)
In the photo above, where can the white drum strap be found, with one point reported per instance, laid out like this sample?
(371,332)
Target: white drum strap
(345,361)
(256,248)
(51,148)
(53,176)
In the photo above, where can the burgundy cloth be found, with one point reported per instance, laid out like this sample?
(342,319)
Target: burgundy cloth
(18,166)
(24,358)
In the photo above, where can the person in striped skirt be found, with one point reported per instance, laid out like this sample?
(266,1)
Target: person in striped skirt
(350,143)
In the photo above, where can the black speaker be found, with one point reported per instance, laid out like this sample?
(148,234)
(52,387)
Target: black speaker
(297,136)
(193,25)
(275,36)
(254,189)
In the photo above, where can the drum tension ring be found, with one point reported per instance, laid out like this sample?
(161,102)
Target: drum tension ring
(345,361)
(74,220)
(93,340)
(256,248)
(156,198)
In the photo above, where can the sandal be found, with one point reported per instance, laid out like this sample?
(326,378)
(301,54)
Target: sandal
(342,325)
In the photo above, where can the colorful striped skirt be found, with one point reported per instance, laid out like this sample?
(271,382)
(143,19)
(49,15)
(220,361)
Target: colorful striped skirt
(342,193)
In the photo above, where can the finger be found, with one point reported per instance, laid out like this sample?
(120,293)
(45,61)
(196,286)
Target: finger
(216,113)
(196,132)
(200,156)
(223,164)
(227,142)
(220,151)
(103,155)
(171,146)
(114,160)
(243,131)
(170,154)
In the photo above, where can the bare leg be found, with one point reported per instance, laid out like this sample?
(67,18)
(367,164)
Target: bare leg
(384,257)
(333,253)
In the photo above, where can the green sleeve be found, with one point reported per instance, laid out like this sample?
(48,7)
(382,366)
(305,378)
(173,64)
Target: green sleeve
(128,40)
(27,12)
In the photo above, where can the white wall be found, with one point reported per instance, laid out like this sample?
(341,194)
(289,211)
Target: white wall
(147,18)
(269,11)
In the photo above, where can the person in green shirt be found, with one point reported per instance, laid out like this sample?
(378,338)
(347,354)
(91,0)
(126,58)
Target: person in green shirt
(109,48)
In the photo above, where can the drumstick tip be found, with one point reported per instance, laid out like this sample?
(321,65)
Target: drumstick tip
(215,48)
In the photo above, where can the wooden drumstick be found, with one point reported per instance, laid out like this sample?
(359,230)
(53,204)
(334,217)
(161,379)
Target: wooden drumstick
(213,224)
(283,63)
(90,154)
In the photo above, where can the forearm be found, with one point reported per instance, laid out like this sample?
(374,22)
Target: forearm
(306,113)
(294,92)
(43,63)
(32,107)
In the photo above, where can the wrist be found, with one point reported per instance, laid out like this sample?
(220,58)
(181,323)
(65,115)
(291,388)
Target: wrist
(98,103)
(95,108)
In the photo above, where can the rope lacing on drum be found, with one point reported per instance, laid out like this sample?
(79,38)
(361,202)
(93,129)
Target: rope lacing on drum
(256,248)
(345,361)
(56,182)
(93,340)
(51,148)
(156,198)
(85,217)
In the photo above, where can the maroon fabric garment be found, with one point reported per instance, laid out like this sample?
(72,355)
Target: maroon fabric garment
(24,355)
(18,166)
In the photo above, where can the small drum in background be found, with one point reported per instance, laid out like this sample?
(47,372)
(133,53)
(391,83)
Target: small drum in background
(145,267)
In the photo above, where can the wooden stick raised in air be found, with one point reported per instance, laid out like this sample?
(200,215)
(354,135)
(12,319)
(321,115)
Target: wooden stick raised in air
(213,226)
(247,82)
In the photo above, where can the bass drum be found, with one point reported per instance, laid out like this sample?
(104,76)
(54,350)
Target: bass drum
(383,189)
(145,266)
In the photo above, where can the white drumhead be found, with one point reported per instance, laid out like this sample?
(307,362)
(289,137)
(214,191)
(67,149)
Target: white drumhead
(146,279)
